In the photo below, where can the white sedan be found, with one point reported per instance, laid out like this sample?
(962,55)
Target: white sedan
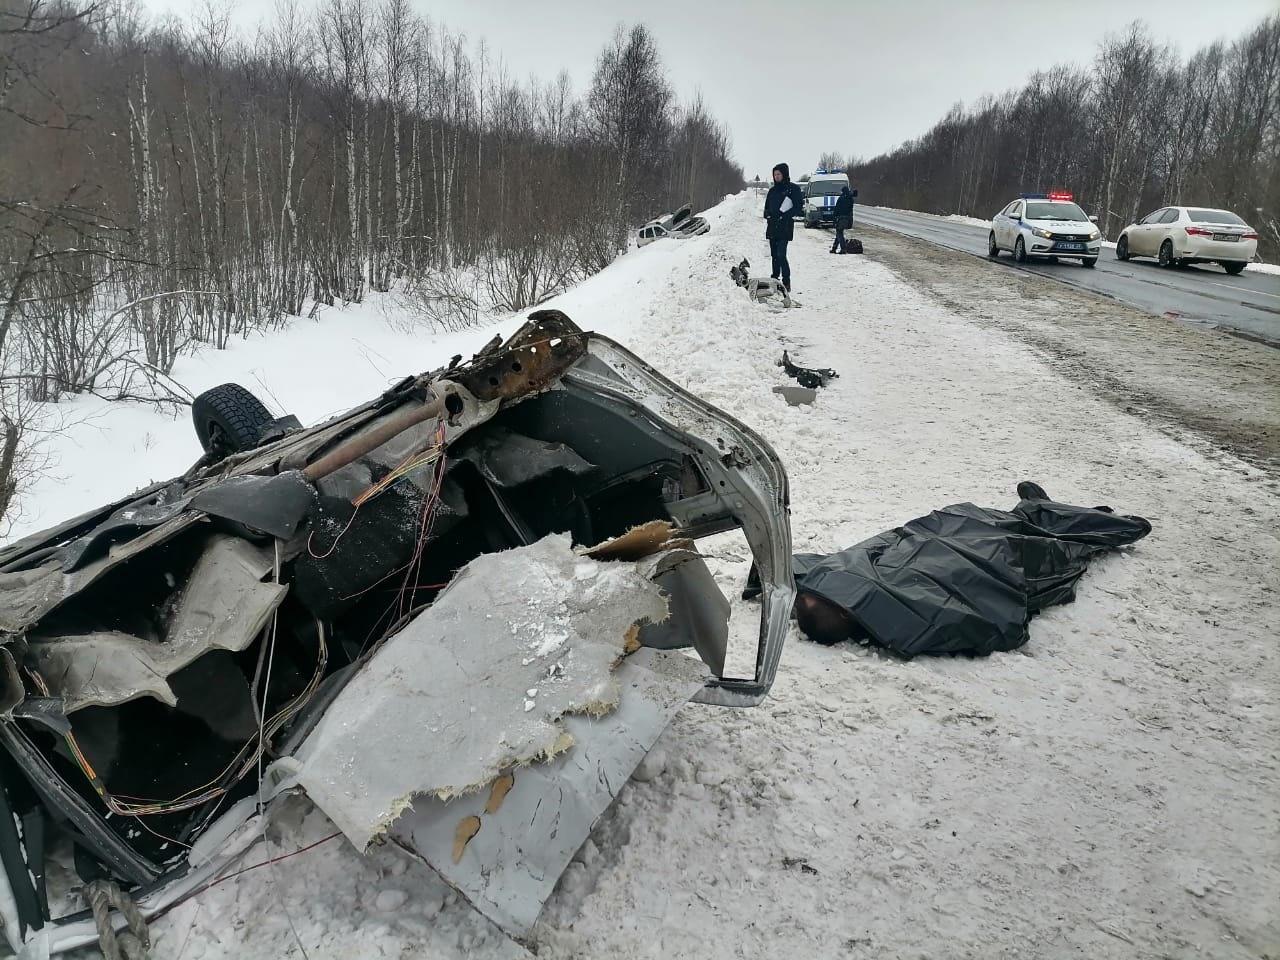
(1045,226)
(1182,235)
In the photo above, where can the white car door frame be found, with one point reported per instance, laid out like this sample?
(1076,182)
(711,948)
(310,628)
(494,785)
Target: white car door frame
(1165,227)
(1010,225)
(997,225)
(1141,234)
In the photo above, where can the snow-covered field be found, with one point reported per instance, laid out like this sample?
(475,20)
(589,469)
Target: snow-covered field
(1110,790)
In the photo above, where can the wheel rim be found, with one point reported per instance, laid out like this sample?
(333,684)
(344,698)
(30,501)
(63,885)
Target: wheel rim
(1020,250)
(1166,254)
(218,444)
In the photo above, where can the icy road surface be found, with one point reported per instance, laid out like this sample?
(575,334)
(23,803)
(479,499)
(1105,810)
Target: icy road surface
(1108,791)
(1200,293)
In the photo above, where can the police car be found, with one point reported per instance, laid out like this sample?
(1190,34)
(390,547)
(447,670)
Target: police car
(1047,226)
(820,196)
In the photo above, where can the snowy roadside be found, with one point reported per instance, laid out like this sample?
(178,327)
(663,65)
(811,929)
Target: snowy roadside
(1108,791)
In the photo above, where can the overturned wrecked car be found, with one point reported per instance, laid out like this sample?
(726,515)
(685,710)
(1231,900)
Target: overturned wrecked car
(456,617)
(680,225)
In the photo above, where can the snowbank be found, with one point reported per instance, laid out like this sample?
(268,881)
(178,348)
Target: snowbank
(971,221)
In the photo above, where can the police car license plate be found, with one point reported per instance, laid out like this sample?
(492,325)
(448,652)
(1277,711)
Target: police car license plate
(1229,237)
(1070,246)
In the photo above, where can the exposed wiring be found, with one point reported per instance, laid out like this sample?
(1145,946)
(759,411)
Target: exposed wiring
(430,503)
(231,876)
(333,546)
(253,752)
(240,765)
(266,684)
(411,463)
(414,461)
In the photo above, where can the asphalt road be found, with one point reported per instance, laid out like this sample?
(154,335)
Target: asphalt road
(1248,303)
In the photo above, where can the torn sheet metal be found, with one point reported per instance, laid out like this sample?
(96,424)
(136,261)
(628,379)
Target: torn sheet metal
(29,593)
(274,504)
(224,606)
(124,525)
(11,690)
(505,848)
(509,459)
(699,610)
(478,683)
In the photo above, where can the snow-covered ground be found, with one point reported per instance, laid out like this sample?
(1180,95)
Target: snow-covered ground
(1110,790)
(971,221)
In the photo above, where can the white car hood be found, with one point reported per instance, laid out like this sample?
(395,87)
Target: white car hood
(1063,226)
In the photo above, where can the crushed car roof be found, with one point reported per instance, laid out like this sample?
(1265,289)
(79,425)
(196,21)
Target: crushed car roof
(487,573)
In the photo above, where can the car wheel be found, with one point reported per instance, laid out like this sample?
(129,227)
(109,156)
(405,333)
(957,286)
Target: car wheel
(1233,268)
(1089,261)
(1122,248)
(1166,254)
(1020,251)
(228,419)
(993,249)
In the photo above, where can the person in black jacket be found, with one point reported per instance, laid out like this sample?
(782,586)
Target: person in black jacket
(781,204)
(844,217)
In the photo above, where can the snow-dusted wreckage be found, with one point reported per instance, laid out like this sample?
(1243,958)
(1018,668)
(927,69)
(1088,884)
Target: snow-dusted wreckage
(680,225)
(456,617)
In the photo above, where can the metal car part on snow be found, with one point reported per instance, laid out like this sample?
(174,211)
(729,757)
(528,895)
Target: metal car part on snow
(134,639)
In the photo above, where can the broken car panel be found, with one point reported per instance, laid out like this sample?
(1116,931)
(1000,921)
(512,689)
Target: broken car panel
(158,654)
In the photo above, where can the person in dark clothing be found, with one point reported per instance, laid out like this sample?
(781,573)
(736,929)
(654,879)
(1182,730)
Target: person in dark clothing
(783,201)
(843,217)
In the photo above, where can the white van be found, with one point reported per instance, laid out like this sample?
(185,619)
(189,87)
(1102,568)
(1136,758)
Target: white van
(820,196)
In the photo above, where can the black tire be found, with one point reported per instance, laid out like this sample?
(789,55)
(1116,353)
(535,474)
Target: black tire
(1166,254)
(228,419)
(1122,248)
(993,249)
(1020,251)
(1052,259)
(1233,268)
(1089,261)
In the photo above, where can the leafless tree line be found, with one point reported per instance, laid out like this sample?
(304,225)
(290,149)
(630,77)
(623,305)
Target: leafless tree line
(174,184)
(1142,128)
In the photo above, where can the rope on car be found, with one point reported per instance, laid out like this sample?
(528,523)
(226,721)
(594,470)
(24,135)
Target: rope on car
(131,943)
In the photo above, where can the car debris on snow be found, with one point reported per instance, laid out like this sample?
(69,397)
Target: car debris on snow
(761,289)
(812,377)
(474,598)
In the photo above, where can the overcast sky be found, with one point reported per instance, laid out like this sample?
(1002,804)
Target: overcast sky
(793,79)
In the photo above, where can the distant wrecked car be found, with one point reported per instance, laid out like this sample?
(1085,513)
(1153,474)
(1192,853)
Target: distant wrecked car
(456,617)
(679,226)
